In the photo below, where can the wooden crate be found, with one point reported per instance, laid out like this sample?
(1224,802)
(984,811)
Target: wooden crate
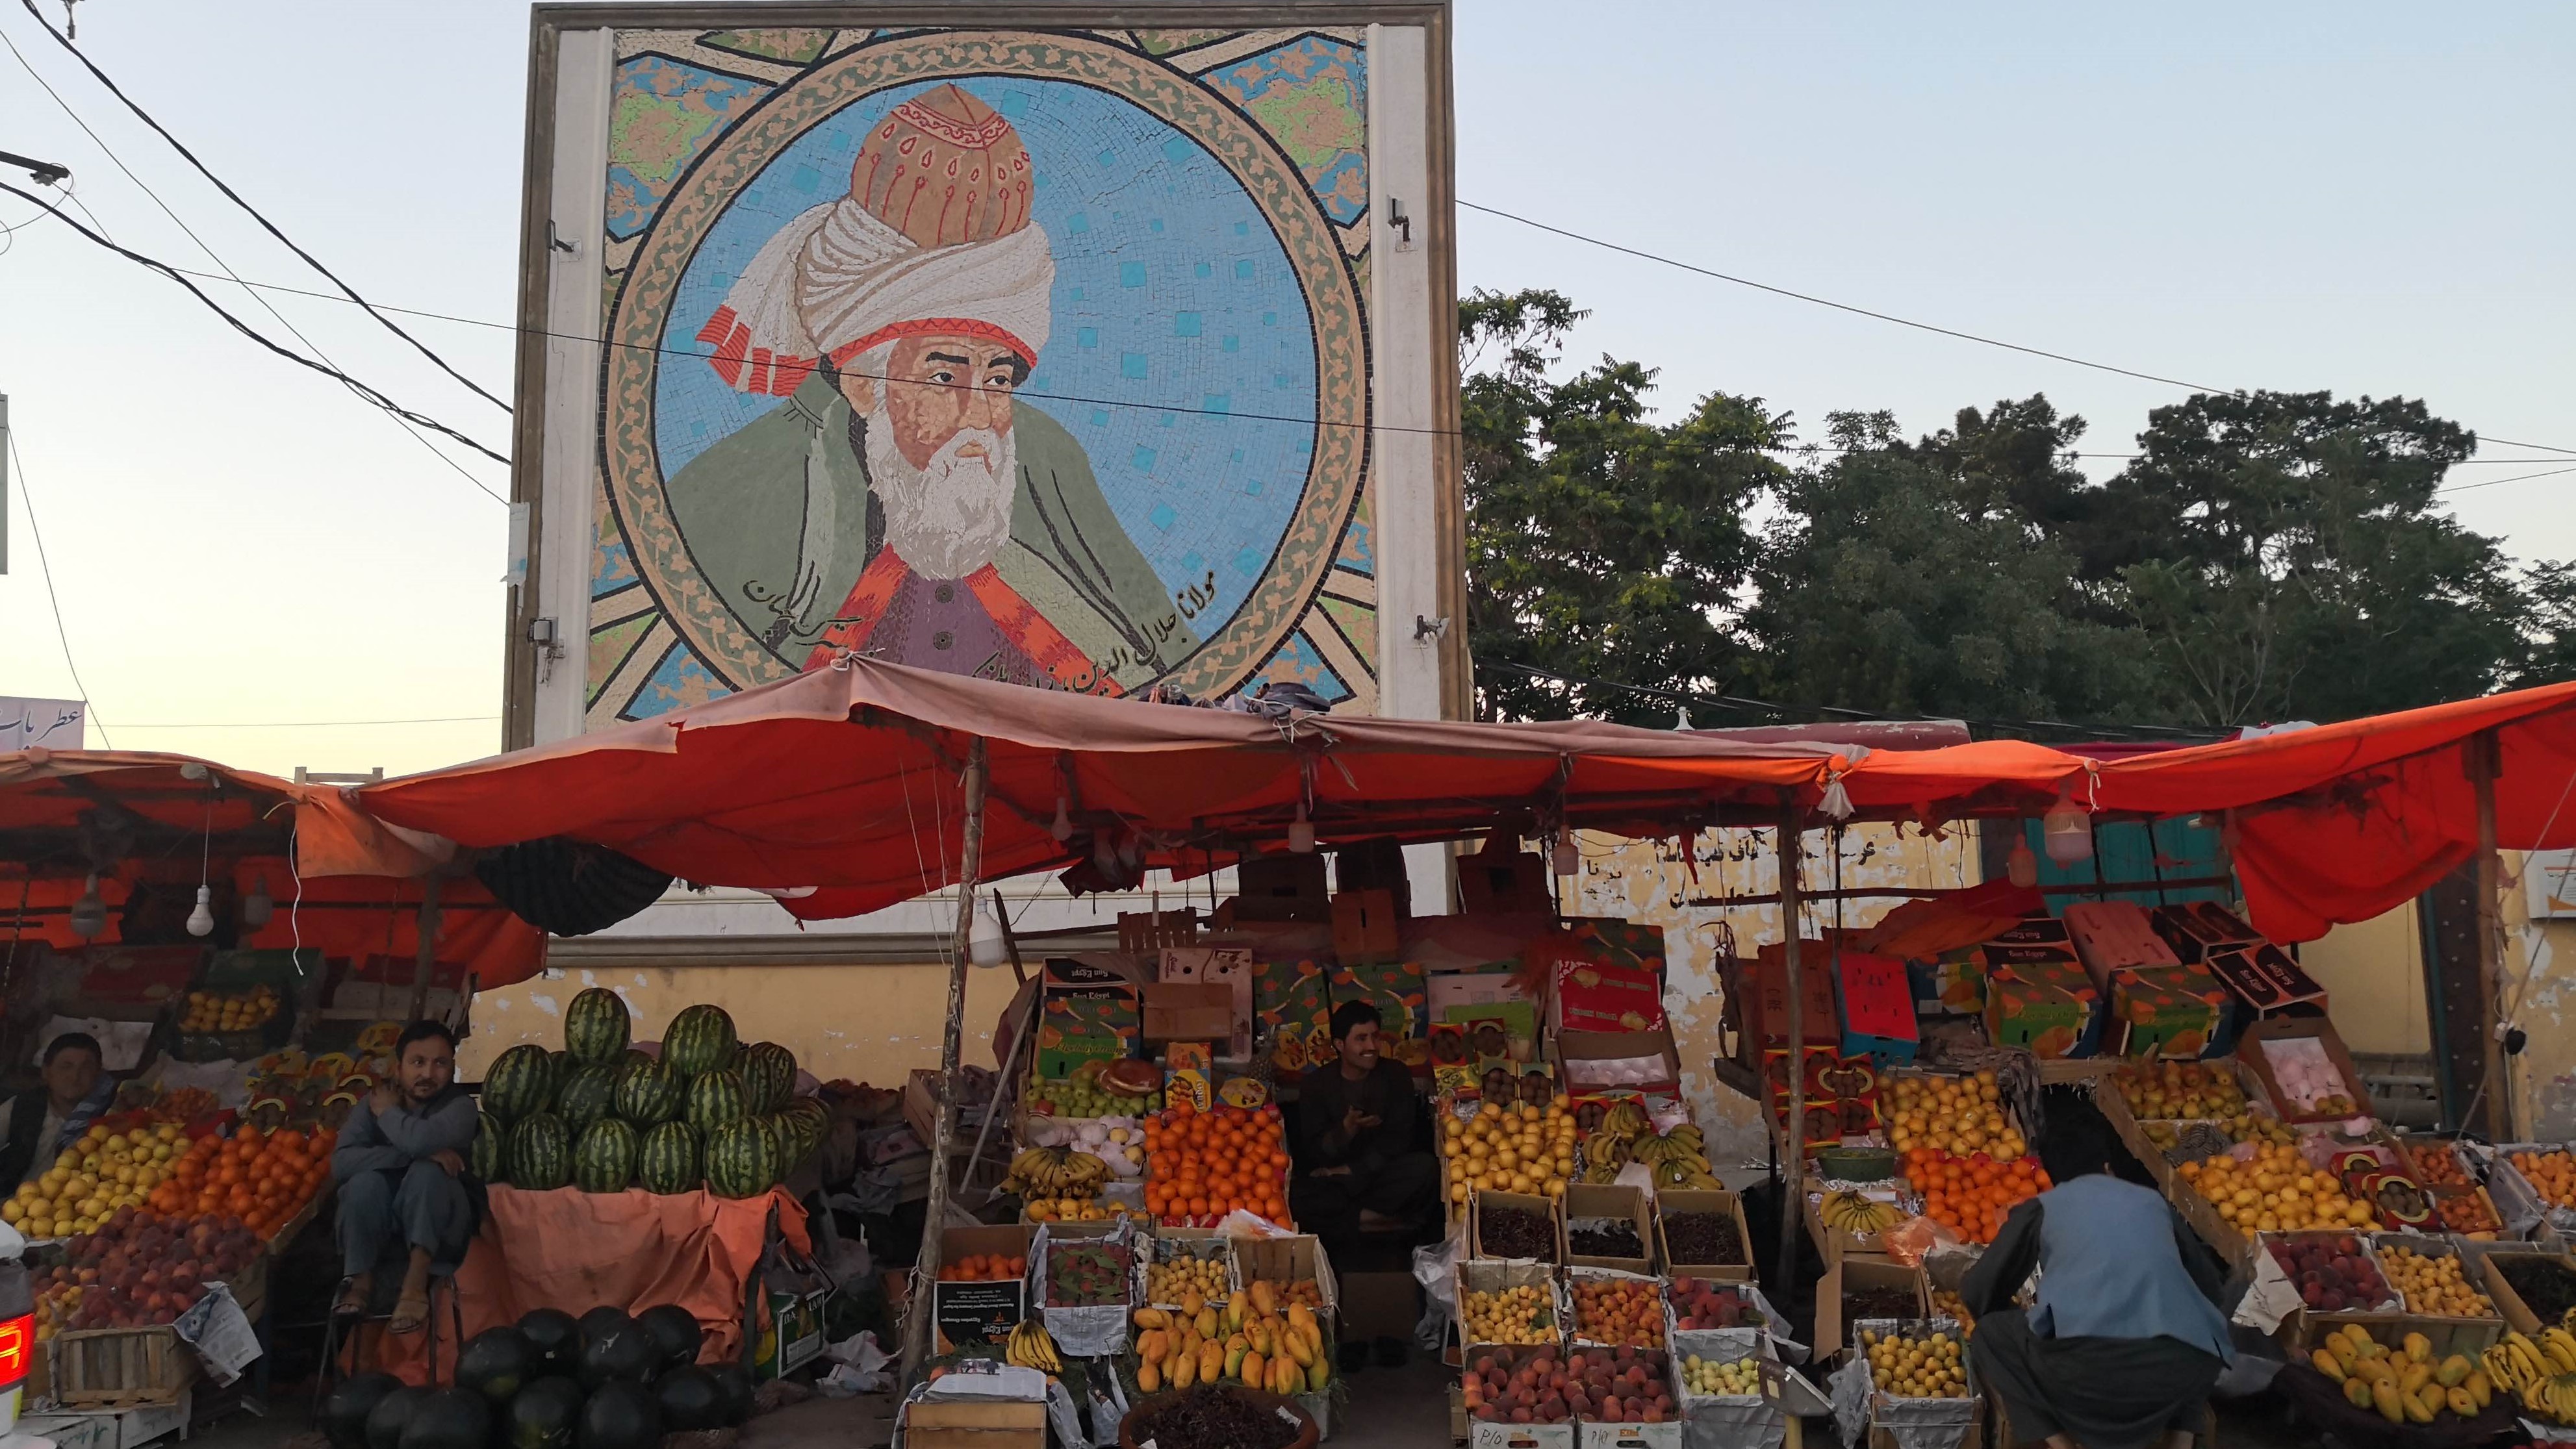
(121,1368)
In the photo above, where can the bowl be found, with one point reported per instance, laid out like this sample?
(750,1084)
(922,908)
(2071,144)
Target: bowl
(1857,1164)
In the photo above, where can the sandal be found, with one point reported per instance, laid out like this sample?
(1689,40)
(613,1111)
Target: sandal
(353,1299)
(411,1314)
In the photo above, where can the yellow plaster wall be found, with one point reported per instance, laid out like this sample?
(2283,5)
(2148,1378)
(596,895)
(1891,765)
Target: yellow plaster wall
(866,1023)
(2539,995)
(1649,881)
(2373,973)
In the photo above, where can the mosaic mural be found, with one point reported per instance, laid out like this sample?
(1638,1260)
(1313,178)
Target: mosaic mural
(1034,355)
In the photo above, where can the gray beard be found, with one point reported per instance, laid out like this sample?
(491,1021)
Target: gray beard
(951,516)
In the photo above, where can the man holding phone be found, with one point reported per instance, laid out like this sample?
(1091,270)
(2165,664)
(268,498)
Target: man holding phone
(1357,1163)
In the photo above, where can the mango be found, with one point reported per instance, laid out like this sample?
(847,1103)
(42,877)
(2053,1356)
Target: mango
(1186,1371)
(1205,1322)
(2417,1411)
(2418,1347)
(2356,1391)
(2391,1404)
(1265,1297)
(2327,1364)
(1157,1318)
(1299,1351)
(1235,1353)
(1253,1369)
(1211,1361)
(1191,1303)
(2479,1387)
(2413,1379)
(1237,1306)
(2459,1402)
(2454,1371)
(1149,1374)
(1149,1344)
(1319,1377)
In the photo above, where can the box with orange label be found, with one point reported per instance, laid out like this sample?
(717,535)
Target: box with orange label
(1187,1074)
(2166,1011)
(2045,1003)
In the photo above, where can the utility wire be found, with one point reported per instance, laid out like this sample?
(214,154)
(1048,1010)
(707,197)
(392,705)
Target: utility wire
(254,334)
(271,227)
(312,724)
(228,272)
(2491,482)
(45,567)
(1809,297)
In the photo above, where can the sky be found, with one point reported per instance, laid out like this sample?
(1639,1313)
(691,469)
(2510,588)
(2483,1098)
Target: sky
(2362,198)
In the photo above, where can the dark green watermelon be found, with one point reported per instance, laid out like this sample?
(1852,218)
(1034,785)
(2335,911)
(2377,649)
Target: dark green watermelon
(735,1380)
(518,1083)
(649,1093)
(689,1399)
(598,1322)
(483,1159)
(540,1156)
(588,1097)
(449,1419)
(699,1040)
(715,1098)
(385,1421)
(625,1353)
(596,1026)
(620,1415)
(560,1066)
(555,1337)
(675,1332)
(667,1162)
(604,1159)
(768,1077)
(342,1416)
(543,1416)
(496,1363)
(738,1161)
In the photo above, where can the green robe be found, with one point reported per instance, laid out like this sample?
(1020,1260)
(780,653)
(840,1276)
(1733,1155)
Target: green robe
(779,519)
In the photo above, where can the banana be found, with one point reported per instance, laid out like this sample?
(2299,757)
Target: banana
(2561,1347)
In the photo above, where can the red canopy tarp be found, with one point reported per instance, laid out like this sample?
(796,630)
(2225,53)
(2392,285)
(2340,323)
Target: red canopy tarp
(156,816)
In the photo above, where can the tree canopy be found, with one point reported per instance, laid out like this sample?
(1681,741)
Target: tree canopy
(2264,557)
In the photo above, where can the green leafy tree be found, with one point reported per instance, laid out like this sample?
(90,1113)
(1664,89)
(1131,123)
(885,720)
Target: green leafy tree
(1926,578)
(1601,545)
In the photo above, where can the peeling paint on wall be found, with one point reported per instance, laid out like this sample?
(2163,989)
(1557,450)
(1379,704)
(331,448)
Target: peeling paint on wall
(2535,991)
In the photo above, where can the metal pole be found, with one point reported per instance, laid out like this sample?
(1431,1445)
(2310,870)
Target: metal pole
(2484,766)
(425,955)
(925,1268)
(1793,1187)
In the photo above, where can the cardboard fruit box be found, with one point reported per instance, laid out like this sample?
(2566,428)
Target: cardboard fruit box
(1833,1316)
(2043,1001)
(2165,1011)
(1675,1202)
(1486,1200)
(1606,1200)
(2269,1043)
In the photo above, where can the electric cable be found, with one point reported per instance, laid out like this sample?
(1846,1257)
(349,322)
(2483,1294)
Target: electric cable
(202,245)
(254,334)
(311,724)
(45,567)
(236,197)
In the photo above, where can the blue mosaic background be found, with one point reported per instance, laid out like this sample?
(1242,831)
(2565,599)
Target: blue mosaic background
(1170,291)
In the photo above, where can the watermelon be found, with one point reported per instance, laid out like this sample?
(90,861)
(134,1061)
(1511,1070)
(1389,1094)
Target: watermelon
(559,1069)
(596,1027)
(780,1138)
(484,1157)
(385,1421)
(735,1381)
(554,1335)
(689,1399)
(496,1363)
(676,1332)
(542,1416)
(738,1161)
(624,1353)
(714,1100)
(344,1410)
(620,1415)
(517,1083)
(700,1039)
(604,1159)
(668,1160)
(649,1092)
(768,1077)
(587,1097)
(449,1419)
(540,1153)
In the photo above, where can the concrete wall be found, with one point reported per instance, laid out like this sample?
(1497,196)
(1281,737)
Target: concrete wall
(2373,973)
(2539,995)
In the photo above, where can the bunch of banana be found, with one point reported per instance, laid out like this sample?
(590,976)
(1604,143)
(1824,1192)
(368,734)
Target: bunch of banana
(1031,1346)
(1679,1157)
(1857,1213)
(2541,1374)
(1056,1172)
(1683,1172)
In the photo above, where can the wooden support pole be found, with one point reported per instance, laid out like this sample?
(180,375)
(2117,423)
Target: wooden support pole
(1793,1187)
(918,1337)
(2485,763)
(425,955)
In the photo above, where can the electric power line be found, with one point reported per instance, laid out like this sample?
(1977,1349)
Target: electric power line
(45,567)
(311,724)
(2491,482)
(254,334)
(228,273)
(236,197)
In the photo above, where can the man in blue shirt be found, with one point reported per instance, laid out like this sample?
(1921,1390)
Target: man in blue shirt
(400,1165)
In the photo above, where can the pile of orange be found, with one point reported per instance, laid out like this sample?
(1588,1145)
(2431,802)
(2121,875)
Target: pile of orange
(985,1268)
(263,1178)
(1972,1195)
(2551,1174)
(1199,1166)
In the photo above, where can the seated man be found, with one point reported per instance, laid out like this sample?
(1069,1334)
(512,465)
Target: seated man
(399,1165)
(1356,1158)
(43,1122)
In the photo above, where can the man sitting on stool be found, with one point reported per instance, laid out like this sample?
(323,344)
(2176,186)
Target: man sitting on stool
(44,1122)
(1358,1167)
(400,1165)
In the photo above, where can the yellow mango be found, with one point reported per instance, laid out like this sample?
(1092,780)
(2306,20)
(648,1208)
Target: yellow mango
(1206,1323)
(2418,1411)
(2454,1371)
(2479,1387)
(1191,1303)
(1265,1297)
(1253,1370)
(1300,1351)
(1261,1343)
(2327,1364)
(1235,1353)
(2413,1380)
(1300,1316)
(1149,1376)
(1153,1318)
(2459,1402)
(2419,1348)
(2391,1405)
(1186,1372)
(1235,1309)
(1319,1376)
(1149,1345)
(1211,1360)
(2356,1391)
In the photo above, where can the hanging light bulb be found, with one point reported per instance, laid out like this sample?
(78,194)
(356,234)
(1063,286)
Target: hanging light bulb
(1062,829)
(984,943)
(2021,867)
(1301,833)
(89,913)
(258,905)
(1566,859)
(2067,830)
(201,921)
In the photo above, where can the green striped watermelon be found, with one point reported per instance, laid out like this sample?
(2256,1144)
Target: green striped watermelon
(585,1099)
(518,1083)
(604,1159)
(483,1160)
(596,1026)
(668,1161)
(768,1076)
(540,1155)
(649,1092)
(559,1067)
(714,1100)
(699,1040)
(738,1162)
